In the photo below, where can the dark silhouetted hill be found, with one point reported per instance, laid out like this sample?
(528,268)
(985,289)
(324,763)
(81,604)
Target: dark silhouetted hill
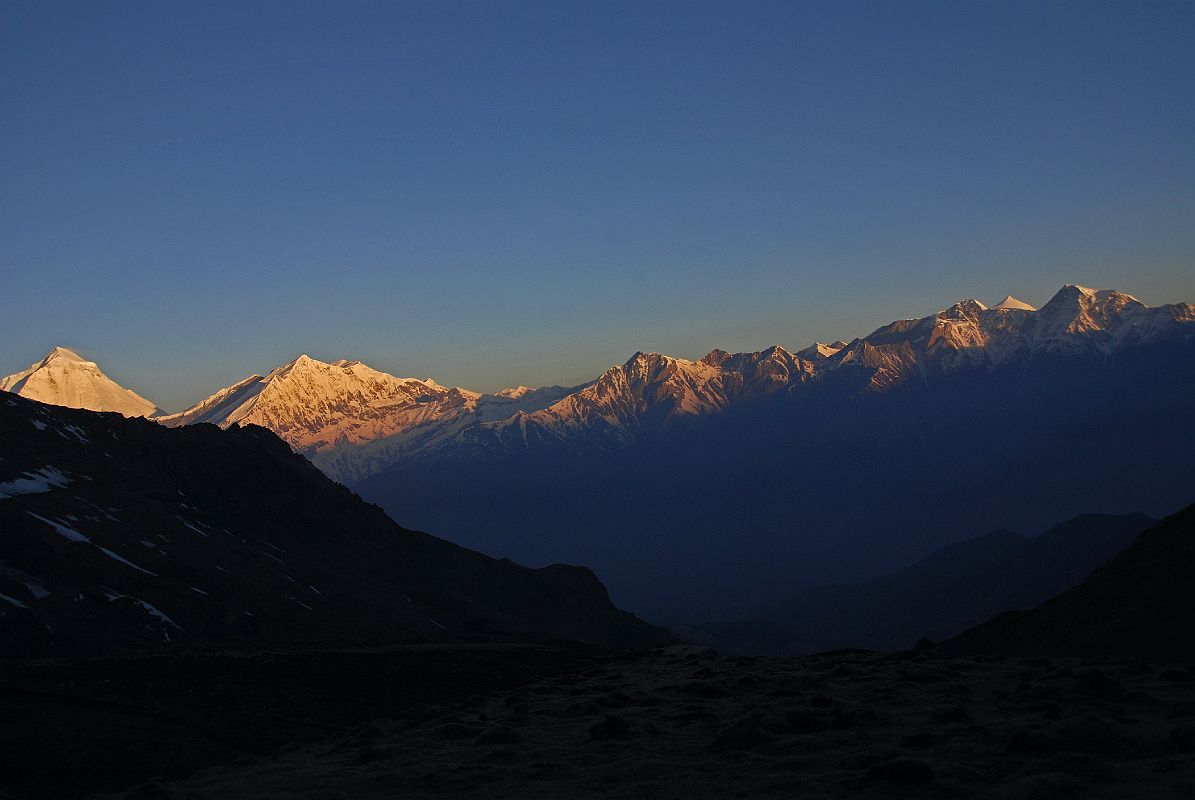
(121,535)
(941,595)
(1138,605)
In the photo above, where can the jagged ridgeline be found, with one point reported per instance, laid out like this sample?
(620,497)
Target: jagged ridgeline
(354,421)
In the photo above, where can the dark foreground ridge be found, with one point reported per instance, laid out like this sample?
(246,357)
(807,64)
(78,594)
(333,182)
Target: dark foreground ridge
(121,535)
(520,721)
(1138,605)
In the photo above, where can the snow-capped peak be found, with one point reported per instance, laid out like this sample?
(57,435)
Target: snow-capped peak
(820,350)
(968,306)
(65,378)
(64,354)
(1010,303)
(353,421)
(1073,299)
(302,362)
(321,408)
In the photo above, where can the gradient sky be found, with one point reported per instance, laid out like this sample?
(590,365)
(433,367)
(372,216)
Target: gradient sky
(504,193)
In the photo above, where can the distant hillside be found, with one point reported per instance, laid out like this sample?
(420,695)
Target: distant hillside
(939,596)
(1139,605)
(121,534)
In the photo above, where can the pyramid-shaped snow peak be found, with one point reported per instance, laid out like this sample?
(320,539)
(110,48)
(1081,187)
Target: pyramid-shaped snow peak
(1010,303)
(64,378)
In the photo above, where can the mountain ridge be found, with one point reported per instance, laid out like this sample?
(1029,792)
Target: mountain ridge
(419,418)
(352,420)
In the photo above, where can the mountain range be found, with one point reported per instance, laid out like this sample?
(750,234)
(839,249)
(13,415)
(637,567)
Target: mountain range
(353,421)
(745,477)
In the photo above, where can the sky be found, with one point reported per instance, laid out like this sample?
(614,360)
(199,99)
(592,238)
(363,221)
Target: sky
(494,194)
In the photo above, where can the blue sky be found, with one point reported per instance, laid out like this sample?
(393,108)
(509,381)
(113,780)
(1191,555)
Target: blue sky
(505,193)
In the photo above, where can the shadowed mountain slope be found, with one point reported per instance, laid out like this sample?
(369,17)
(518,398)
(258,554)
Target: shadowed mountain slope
(121,534)
(1139,605)
(939,596)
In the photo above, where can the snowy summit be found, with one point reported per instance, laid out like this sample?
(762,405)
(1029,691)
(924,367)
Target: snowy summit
(1010,303)
(64,378)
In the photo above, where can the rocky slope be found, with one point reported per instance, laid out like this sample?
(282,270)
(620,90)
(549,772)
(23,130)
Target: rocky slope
(121,534)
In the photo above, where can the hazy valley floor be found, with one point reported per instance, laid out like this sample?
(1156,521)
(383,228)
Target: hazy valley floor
(531,721)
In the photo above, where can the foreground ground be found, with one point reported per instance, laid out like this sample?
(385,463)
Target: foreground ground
(539,721)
